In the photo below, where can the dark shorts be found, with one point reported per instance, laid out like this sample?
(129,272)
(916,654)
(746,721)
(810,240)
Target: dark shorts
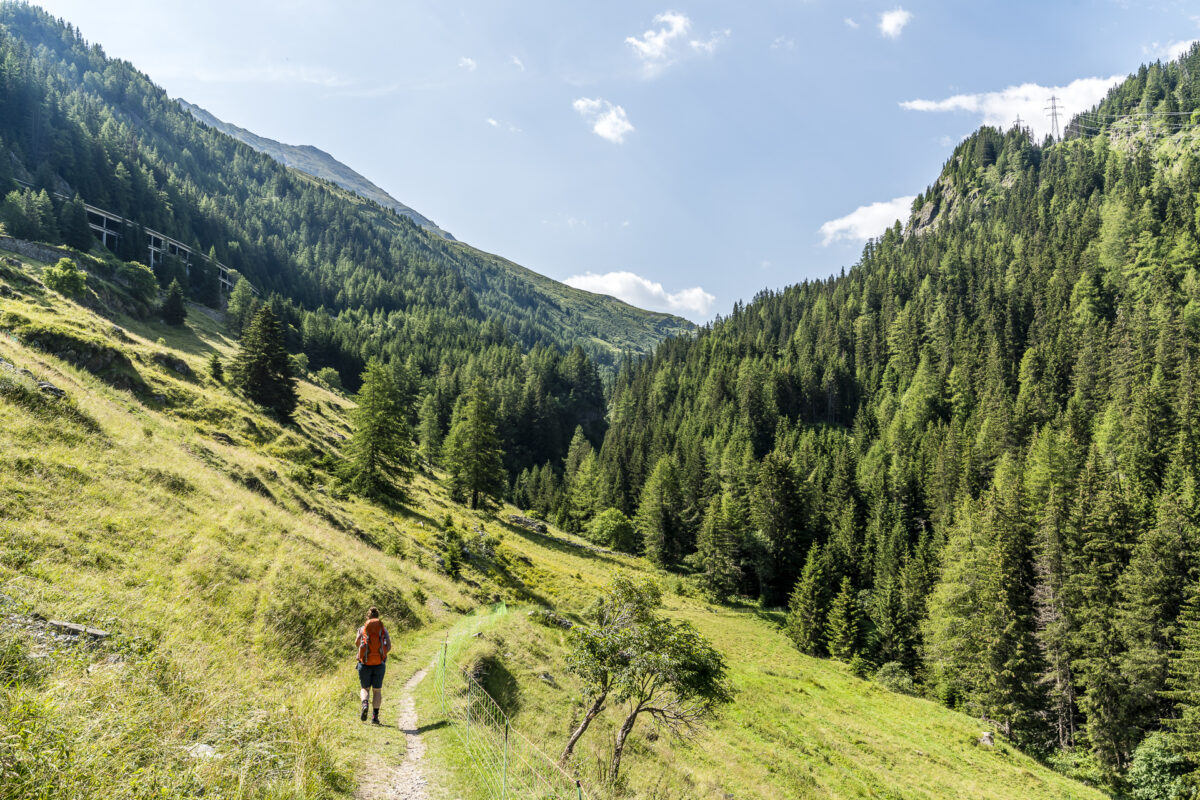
(371,677)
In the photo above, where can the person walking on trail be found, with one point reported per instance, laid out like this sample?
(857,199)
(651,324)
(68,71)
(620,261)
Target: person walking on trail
(373,644)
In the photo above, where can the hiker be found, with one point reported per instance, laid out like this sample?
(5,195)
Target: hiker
(373,644)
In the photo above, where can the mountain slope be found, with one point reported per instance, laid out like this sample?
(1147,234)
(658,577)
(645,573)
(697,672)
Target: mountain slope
(974,457)
(317,163)
(216,549)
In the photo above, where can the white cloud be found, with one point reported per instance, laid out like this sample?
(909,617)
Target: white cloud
(493,122)
(467,63)
(607,120)
(518,63)
(891,23)
(1029,100)
(1169,51)
(655,46)
(710,44)
(645,293)
(866,221)
(783,43)
(850,22)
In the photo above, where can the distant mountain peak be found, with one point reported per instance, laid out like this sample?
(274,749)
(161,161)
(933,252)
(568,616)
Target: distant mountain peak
(316,162)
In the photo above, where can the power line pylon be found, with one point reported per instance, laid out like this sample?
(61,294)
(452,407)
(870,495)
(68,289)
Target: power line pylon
(1053,110)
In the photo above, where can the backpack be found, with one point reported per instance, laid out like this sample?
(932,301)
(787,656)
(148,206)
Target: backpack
(373,643)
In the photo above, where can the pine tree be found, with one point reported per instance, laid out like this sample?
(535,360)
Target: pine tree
(215,370)
(381,449)
(261,369)
(429,429)
(806,610)
(717,550)
(73,222)
(242,305)
(658,517)
(173,310)
(841,627)
(1183,688)
(472,452)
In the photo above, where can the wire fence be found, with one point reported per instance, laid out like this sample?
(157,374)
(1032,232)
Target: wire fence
(507,764)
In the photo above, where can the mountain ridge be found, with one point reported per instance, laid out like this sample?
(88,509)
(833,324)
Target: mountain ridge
(316,162)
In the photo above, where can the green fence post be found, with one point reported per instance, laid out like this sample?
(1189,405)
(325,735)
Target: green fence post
(468,745)
(578,791)
(504,780)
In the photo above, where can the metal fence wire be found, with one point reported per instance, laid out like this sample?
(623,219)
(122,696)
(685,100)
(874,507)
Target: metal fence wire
(510,766)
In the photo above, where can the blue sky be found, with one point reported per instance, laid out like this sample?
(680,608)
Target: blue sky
(681,155)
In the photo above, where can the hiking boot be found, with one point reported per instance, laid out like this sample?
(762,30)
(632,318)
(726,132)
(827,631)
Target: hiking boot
(375,718)
(363,715)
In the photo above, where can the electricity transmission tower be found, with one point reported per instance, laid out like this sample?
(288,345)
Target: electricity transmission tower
(1053,110)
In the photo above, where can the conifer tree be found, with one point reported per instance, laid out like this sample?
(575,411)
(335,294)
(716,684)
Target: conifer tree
(381,449)
(242,305)
(429,430)
(841,627)
(472,453)
(806,609)
(261,369)
(73,222)
(658,518)
(717,550)
(215,369)
(173,310)
(1183,688)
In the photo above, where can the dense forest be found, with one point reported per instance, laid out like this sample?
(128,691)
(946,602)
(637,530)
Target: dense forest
(348,279)
(975,456)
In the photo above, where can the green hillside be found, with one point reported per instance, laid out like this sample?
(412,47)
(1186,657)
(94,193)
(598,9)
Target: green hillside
(214,547)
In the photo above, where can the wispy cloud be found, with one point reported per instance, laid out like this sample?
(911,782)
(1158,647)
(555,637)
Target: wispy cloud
(663,44)
(1170,50)
(645,293)
(1028,101)
(655,47)
(866,221)
(783,43)
(891,23)
(710,44)
(516,62)
(493,122)
(850,22)
(608,121)
(467,63)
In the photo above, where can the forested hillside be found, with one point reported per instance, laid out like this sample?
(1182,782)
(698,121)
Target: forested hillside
(975,455)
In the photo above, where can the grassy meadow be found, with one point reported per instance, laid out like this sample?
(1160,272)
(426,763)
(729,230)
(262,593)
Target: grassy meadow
(215,547)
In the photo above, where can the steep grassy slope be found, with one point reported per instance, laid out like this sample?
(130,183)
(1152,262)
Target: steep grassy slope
(211,543)
(317,163)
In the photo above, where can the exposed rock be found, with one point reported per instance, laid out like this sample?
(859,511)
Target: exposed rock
(175,364)
(75,629)
(548,679)
(537,526)
(46,387)
(200,750)
(987,739)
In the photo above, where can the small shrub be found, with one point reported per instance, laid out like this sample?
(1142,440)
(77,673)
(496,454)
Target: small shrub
(1155,770)
(67,278)
(894,677)
(139,279)
(330,378)
(611,528)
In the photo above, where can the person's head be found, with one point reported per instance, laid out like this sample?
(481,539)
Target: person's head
(373,613)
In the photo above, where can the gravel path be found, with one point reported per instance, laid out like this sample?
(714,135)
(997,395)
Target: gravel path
(405,781)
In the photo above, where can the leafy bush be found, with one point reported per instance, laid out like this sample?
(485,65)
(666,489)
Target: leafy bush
(611,528)
(895,677)
(67,278)
(330,377)
(139,279)
(1154,772)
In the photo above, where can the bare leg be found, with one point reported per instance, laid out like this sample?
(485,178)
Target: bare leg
(362,695)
